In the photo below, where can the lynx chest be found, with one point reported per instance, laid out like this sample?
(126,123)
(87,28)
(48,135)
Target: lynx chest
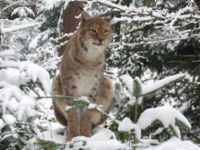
(86,83)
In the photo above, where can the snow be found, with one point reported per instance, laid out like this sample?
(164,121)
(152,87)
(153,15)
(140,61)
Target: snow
(50,4)
(16,102)
(175,144)
(9,119)
(102,145)
(53,133)
(132,101)
(128,126)
(23,11)
(103,134)
(149,87)
(13,76)
(106,139)
(17,105)
(7,53)
(26,108)
(33,44)
(93,106)
(166,114)
(12,105)
(32,72)
(8,91)
(102,140)
(19,27)
(128,81)
(108,3)
(36,72)
(68,108)
(2,124)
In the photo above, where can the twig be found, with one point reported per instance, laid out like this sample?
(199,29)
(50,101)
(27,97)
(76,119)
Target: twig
(61,97)
(81,101)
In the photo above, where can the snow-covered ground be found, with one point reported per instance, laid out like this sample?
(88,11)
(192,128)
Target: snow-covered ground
(24,81)
(175,144)
(105,139)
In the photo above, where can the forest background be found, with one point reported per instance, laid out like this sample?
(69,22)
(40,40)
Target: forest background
(154,61)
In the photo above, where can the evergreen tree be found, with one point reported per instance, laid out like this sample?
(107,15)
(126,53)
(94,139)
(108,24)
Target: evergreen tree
(152,41)
(21,81)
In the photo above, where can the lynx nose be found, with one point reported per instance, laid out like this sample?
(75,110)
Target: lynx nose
(100,41)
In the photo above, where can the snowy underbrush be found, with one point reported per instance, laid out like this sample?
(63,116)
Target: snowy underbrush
(157,128)
(105,139)
(19,86)
(28,122)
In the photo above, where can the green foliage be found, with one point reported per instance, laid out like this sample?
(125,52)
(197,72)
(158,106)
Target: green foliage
(184,128)
(122,136)
(49,145)
(137,88)
(161,133)
(51,17)
(139,46)
(157,131)
(16,136)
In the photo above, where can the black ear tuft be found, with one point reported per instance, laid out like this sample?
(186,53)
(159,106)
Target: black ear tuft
(85,17)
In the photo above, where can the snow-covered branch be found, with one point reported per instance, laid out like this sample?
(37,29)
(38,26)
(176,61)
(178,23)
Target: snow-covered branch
(144,89)
(158,41)
(151,87)
(11,5)
(78,101)
(14,100)
(167,115)
(16,28)
(32,72)
(110,4)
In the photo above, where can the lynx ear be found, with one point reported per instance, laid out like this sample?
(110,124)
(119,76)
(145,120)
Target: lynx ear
(108,18)
(85,17)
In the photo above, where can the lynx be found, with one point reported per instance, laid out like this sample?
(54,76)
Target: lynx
(82,74)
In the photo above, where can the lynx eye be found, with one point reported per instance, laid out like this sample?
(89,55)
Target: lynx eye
(107,31)
(93,31)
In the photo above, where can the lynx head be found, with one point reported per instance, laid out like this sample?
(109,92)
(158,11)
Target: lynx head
(95,32)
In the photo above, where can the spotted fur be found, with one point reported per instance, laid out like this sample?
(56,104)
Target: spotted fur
(81,74)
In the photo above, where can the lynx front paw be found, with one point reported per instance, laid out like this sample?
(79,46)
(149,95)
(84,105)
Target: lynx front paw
(86,125)
(71,133)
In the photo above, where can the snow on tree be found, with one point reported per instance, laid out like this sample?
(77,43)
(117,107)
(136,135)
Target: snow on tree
(103,139)
(168,116)
(127,126)
(175,143)
(153,41)
(22,82)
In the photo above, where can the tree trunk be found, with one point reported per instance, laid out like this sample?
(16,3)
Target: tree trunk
(70,22)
